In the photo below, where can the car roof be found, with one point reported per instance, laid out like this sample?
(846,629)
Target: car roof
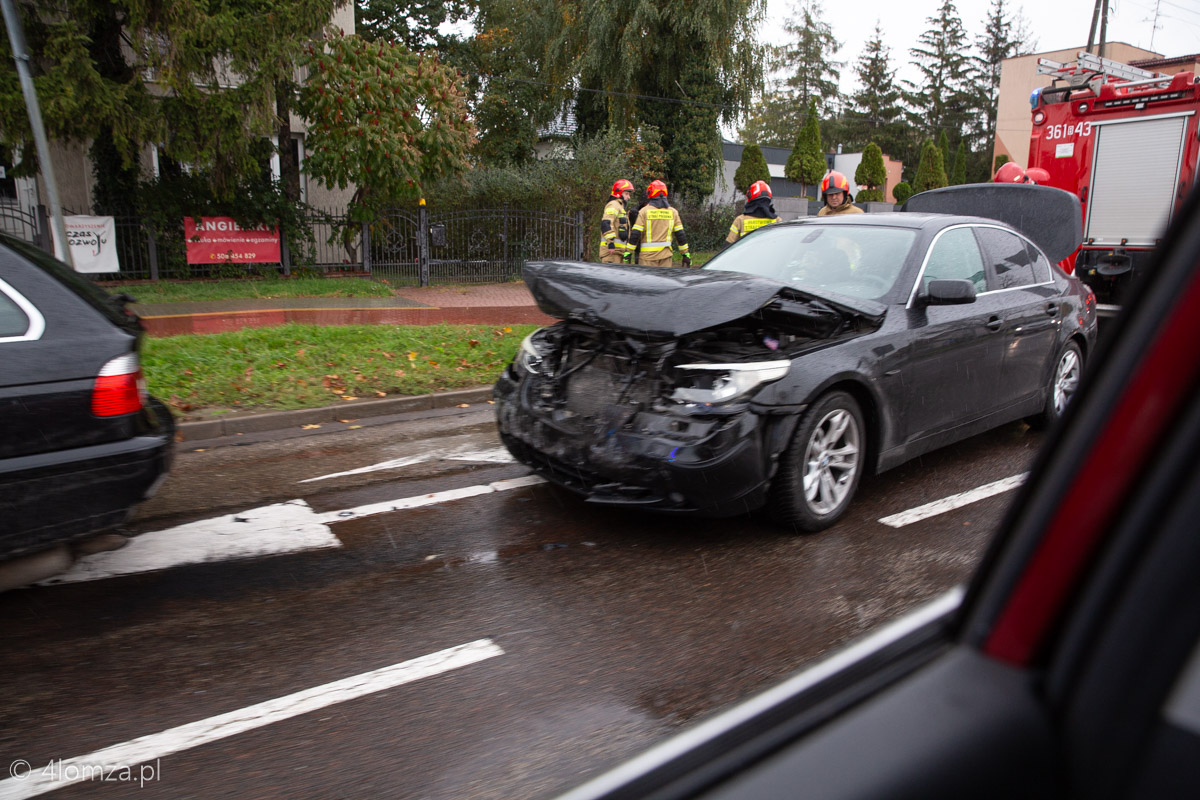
(897,220)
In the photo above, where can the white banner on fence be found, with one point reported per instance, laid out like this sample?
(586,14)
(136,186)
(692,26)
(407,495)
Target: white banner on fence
(93,242)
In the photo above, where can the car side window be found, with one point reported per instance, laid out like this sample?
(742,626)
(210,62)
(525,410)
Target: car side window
(13,321)
(1041,266)
(1010,256)
(955,255)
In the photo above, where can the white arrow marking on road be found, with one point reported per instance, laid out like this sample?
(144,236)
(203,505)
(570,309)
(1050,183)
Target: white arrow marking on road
(290,527)
(39,780)
(497,455)
(954,501)
(269,530)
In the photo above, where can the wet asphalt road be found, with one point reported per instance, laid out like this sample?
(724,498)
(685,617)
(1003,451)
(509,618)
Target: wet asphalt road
(617,628)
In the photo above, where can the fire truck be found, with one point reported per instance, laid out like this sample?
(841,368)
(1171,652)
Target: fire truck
(1125,141)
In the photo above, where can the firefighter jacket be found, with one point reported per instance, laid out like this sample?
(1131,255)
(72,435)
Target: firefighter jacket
(759,212)
(657,226)
(614,228)
(845,208)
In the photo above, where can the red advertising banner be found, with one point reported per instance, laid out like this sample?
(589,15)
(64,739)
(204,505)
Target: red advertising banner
(221,239)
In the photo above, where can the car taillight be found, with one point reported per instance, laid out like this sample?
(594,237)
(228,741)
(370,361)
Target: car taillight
(119,388)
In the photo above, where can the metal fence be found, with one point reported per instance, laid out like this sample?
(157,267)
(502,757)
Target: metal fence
(402,247)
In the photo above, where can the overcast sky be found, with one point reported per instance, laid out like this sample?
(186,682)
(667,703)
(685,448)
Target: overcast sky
(1056,24)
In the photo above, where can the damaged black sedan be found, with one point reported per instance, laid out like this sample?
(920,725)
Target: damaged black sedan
(801,357)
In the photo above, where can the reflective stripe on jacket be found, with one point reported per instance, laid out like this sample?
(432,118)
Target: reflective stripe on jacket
(657,228)
(743,224)
(614,226)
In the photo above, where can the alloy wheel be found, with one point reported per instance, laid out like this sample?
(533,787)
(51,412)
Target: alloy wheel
(831,461)
(1066,380)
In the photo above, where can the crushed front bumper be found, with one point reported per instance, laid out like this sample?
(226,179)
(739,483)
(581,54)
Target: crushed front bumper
(687,461)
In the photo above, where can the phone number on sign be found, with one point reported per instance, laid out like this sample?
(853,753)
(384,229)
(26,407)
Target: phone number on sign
(232,256)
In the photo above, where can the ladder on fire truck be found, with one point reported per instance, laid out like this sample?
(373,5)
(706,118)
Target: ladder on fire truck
(1090,70)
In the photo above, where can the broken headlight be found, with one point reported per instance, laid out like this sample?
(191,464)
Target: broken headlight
(720,383)
(529,358)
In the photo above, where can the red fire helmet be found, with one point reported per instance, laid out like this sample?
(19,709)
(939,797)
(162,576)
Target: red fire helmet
(656,189)
(1038,175)
(757,189)
(834,182)
(621,185)
(1010,172)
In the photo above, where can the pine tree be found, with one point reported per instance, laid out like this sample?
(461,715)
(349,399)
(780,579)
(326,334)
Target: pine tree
(941,100)
(875,113)
(1004,36)
(959,173)
(806,164)
(871,174)
(753,167)
(943,144)
(931,173)
(807,71)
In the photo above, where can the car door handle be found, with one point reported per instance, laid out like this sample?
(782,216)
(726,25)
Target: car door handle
(994,324)
(1052,309)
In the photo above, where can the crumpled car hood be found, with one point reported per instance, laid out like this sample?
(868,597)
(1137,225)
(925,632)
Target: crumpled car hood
(662,301)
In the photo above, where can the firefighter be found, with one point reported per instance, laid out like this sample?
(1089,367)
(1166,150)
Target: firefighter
(835,191)
(614,225)
(759,211)
(659,225)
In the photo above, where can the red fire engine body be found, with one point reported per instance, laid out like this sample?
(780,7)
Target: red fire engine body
(1125,141)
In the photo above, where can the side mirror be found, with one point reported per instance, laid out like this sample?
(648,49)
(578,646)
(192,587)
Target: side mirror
(949,292)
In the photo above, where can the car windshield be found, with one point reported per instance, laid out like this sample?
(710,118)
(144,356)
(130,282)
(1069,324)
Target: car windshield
(854,260)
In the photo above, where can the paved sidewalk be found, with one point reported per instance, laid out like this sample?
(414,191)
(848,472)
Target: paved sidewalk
(488,304)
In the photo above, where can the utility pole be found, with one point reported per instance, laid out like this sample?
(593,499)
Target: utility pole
(1154,23)
(16,37)
(1095,21)
(1104,30)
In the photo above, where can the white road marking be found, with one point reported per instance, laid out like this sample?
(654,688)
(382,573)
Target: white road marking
(143,749)
(954,501)
(429,499)
(498,455)
(290,527)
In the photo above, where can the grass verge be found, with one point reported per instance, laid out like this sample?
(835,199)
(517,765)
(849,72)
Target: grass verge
(307,366)
(266,289)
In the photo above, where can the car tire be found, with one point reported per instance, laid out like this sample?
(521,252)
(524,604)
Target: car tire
(1064,382)
(819,472)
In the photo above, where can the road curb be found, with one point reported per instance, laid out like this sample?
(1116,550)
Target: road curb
(278,420)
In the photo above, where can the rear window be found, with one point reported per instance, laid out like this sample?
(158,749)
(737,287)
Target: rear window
(89,292)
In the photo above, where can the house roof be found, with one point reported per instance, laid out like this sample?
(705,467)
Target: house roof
(562,128)
(732,151)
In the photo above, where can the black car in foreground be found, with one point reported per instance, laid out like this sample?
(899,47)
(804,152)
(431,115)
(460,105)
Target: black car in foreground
(81,442)
(1070,667)
(802,356)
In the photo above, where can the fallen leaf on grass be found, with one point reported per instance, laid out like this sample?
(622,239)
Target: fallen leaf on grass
(412,356)
(349,397)
(309,427)
(380,394)
(399,373)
